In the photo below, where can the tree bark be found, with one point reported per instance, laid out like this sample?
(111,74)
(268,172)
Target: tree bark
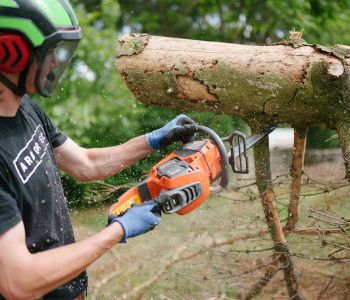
(286,83)
(296,172)
(343,129)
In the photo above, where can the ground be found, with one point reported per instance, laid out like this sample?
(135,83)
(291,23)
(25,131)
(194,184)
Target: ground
(219,250)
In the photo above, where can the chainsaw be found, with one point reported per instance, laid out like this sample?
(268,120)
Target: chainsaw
(185,178)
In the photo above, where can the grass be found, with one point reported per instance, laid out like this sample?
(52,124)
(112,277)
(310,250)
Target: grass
(223,272)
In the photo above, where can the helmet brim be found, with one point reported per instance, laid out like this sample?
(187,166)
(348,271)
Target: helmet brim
(64,44)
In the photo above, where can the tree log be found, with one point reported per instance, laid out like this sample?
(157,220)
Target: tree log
(288,83)
(291,82)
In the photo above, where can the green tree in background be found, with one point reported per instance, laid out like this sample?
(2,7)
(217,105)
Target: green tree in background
(93,105)
(237,21)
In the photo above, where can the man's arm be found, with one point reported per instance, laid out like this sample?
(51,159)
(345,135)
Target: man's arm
(98,163)
(30,276)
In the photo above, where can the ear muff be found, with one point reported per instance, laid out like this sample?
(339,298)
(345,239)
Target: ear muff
(14,53)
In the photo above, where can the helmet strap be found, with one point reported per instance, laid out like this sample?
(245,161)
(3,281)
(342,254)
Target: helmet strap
(22,81)
(9,84)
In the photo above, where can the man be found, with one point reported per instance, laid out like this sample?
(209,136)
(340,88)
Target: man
(38,255)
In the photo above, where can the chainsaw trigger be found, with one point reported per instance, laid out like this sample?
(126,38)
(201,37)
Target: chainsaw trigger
(157,209)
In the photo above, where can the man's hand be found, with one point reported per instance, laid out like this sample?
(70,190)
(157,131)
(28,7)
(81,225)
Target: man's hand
(182,128)
(138,220)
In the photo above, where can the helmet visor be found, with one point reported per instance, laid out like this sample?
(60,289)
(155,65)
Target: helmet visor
(52,63)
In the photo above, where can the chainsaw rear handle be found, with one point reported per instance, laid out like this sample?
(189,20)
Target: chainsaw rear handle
(223,155)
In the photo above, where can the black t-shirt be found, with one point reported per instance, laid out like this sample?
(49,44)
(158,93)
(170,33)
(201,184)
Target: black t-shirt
(30,186)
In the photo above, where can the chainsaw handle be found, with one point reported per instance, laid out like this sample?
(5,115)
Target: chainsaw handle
(223,155)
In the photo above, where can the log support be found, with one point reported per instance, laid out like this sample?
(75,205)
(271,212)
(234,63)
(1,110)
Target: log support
(296,172)
(343,130)
(264,183)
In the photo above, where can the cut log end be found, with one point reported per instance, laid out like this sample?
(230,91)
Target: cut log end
(336,69)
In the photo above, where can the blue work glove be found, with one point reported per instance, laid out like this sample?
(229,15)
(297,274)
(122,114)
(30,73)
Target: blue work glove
(182,128)
(138,219)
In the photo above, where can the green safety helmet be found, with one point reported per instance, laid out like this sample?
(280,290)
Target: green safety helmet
(34,29)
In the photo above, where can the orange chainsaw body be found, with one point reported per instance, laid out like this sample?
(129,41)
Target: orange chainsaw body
(185,174)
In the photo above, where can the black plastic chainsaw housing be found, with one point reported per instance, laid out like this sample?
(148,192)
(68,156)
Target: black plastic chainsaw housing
(173,200)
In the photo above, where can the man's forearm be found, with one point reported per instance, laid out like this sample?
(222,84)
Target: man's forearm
(45,271)
(106,162)
(99,163)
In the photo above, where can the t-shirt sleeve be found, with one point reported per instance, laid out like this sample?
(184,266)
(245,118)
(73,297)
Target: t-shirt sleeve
(56,136)
(9,212)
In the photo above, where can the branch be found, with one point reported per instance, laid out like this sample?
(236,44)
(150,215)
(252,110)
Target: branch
(325,288)
(179,257)
(264,183)
(296,172)
(264,281)
(331,258)
(101,191)
(317,231)
(97,286)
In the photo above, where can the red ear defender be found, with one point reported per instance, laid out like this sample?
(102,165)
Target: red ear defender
(14,53)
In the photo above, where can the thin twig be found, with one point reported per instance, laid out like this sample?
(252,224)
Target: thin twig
(325,288)
(316,231)
(340,259)
(264,281)
(328,215)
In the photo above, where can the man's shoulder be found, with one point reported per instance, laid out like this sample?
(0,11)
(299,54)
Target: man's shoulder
(27,102)
(31,107)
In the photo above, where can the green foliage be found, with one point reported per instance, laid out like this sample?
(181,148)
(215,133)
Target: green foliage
(92,97)
(249,21)
(322,139)
(93,105)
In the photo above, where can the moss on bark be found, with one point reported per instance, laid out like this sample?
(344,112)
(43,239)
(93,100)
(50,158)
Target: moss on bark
(271,98)
(133,44)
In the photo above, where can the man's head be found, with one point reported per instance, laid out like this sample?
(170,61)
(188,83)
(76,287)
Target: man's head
(37,41)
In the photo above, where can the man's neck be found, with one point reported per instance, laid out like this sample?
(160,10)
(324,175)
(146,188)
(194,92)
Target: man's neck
(9,102)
